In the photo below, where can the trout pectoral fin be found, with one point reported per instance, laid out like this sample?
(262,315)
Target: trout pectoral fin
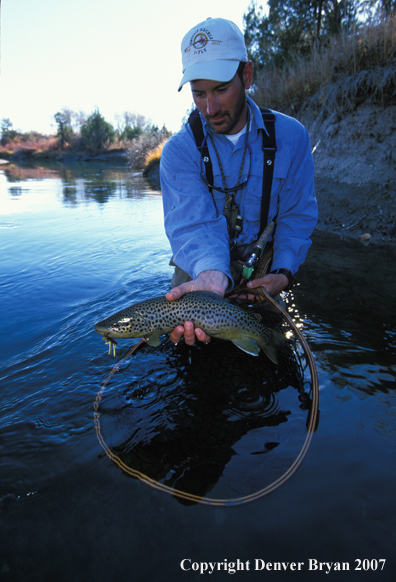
(153,338)
(248,345)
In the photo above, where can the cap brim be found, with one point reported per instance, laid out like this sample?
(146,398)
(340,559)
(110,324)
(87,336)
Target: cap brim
(219,70)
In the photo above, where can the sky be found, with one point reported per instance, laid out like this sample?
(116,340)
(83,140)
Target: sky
(116,56)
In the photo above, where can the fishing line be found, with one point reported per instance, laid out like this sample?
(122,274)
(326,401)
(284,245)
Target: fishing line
(311,427)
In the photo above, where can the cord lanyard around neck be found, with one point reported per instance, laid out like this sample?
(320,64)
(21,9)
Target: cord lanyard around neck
(231,209)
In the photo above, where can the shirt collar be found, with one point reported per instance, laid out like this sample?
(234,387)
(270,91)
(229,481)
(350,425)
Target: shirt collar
(257,117)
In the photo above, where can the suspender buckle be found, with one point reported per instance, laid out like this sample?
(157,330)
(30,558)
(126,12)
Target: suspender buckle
(269,151)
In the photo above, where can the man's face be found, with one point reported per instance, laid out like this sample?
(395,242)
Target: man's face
(223,105)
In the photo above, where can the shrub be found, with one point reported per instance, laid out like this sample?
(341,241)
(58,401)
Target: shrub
(97,133)
(144,146)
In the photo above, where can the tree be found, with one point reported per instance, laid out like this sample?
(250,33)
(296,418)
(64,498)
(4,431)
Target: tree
(7,132)
(132,125)
(79,119)
(65,131)
(292,27)
(131,132)
(389,7)
(97,133)
(379,8)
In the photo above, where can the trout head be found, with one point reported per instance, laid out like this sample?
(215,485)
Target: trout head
(128,323)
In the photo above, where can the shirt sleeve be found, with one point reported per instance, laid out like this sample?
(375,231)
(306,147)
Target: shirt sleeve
(196,232)
(294,209)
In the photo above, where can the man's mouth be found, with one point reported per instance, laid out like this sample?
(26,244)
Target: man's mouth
(217,119)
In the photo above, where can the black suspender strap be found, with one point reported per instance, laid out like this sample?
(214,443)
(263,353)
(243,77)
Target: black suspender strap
(196,127)
(269,149)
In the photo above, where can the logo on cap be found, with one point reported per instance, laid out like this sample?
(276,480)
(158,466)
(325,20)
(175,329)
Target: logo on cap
(199,39)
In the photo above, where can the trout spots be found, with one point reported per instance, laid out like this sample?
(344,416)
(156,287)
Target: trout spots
(208,311)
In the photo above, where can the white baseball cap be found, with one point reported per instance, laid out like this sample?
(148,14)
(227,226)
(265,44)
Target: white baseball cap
(212,50)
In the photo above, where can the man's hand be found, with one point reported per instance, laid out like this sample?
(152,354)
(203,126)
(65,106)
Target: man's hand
(206,281)
(274,284)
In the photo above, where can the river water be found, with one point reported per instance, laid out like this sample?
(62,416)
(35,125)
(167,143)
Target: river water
(80,242)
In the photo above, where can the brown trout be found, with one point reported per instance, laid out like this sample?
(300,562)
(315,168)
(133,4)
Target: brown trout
(207,310)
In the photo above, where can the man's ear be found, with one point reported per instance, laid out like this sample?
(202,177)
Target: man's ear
(248,75)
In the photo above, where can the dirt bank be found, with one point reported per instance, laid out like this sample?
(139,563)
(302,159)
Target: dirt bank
(355,172)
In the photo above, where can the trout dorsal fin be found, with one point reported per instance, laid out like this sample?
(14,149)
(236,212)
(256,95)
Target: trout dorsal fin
(209,294)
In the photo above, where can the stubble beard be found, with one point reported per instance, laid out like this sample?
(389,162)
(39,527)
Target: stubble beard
(233,119)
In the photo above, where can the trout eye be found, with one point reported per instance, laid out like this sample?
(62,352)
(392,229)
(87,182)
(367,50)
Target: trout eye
(121,325)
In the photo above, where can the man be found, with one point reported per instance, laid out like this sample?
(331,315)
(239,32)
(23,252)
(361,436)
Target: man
(205,222)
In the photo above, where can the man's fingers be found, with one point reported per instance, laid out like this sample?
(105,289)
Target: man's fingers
(179,291)
(177,334)
(187,330)
(274,284)
(206,281)
(202,336)
(189,333)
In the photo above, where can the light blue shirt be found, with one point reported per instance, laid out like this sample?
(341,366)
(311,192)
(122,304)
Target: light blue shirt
(194,224)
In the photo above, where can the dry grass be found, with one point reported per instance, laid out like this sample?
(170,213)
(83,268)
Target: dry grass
(144,150)
(342,73)
(34,145)
(153,159)
(155,155)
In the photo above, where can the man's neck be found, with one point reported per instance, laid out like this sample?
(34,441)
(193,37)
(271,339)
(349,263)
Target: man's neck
(241,122)
(234,137)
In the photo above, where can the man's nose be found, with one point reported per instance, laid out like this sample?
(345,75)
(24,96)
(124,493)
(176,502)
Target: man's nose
(212,105)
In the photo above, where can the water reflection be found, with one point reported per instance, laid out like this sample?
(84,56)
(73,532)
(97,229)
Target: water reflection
(81,183)
(61,271)
(180,416)
(21,172)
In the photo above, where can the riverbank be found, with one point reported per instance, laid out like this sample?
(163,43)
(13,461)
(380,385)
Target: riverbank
(116,155)
(361,211)
(355,172)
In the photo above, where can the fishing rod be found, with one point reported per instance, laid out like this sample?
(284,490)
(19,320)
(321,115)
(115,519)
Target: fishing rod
(256,264)
(252,262)
(312,422)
